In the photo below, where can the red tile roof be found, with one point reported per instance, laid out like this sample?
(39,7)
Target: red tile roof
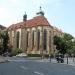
(2,27)
(55,29)
(36,21)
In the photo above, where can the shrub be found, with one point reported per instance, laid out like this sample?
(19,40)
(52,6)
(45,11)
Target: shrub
(1,49)
(16,51)
(34,55)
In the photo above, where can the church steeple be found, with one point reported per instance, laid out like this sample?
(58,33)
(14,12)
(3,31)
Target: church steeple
(25,17)
(41,13)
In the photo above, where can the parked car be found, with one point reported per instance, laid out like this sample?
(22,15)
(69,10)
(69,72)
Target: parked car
(22,55)
(60,58)
(6,54)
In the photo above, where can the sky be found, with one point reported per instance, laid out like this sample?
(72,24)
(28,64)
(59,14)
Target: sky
(59,13)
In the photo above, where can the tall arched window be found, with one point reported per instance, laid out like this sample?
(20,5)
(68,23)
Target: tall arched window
(18,36)
(27,37)
(38,39)
(45,39)
(33,39)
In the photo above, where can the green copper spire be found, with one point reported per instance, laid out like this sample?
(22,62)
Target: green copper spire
(40,12)
(25,17)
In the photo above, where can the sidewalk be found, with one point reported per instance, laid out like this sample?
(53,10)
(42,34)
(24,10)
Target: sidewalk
(3,59)
(53,60)
(70,61)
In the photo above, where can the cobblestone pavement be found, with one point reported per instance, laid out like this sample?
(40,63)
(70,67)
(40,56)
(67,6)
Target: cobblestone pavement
(3,59)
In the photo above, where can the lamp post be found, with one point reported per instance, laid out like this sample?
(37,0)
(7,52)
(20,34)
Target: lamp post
(67,58)
(25,19)
(54,50)
(50,57)
(42,44)
(67,54)
(73,44)
(50,46)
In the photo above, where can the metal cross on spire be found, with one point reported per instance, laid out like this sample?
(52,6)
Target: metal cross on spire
(40,12)
(40,8)
(25,17)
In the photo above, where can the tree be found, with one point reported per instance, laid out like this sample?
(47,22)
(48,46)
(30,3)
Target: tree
(5,41)
(68,37)
(64,44)
(69,43)
(73,50)
(1,46)
(60,44)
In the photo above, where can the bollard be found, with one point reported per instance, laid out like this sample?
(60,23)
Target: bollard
(50,58)
(67,59)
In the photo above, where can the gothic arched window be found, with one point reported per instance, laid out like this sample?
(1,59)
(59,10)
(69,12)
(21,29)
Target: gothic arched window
(27,37)
(18,36)
(38,39)
(33,39)
(45,39)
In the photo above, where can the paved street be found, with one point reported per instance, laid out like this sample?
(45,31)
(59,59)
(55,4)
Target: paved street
(28,66)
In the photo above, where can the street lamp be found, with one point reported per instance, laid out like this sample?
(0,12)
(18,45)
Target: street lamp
(73,44)
(67,55)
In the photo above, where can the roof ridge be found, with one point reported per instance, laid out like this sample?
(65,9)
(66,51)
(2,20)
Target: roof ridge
(35,21)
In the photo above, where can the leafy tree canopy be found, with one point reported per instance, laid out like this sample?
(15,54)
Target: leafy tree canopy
(64,44)
(67,37)
(5,38)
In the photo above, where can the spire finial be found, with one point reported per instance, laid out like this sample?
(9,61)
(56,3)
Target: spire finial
(25,17)
(40,8)
(40,12)
(25,12)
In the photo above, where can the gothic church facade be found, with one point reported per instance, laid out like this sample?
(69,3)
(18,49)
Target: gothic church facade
(34,36)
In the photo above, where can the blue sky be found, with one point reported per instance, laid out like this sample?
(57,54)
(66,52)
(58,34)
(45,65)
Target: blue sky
(60,13)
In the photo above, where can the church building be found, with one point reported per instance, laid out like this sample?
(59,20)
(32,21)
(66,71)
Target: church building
(33,36)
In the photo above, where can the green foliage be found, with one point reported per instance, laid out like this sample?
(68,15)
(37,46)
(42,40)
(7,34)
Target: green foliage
(1,47)
(60,44)
(16,51)
(65,44)
(5,38)
(0,35)
(73,50)
(58,40)
(69,43)
(34,55)
(67,37)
